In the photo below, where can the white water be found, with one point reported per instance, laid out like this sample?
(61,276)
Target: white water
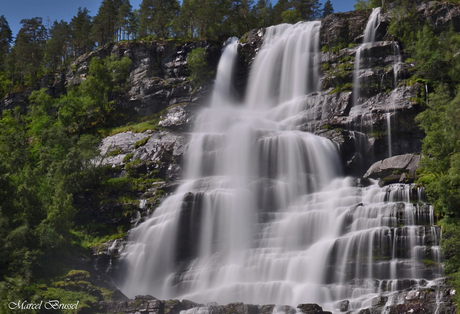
(396,67)
(263,215)
(369,38)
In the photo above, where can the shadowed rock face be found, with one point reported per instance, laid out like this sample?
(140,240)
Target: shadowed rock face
(343,27)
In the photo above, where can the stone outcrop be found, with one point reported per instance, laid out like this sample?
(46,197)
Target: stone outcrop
(403,167)
(151,151)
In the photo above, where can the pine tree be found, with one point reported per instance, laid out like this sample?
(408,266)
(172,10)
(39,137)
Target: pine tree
(81,41)
(308,9)
(125,18)
(6,37)
(58,46)
(164,12)
(145,18)
(105,28)
(278,10)
(29,48)
(263,12)
(185,24)
(241,16)
(327,9)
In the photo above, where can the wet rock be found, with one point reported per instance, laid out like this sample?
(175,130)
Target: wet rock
(311,308)
(179,117)
(343,28)
(379,301)
(344,305)
(249,46)
(394,166)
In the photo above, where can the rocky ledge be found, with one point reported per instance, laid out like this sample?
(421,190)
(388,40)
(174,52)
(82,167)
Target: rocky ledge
(423,300)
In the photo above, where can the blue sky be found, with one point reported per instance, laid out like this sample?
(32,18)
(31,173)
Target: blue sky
(16,10)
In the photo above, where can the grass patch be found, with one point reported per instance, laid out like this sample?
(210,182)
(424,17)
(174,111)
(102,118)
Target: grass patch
(141,142)
(135,128)
(88,240)
(113,152)
(128,158)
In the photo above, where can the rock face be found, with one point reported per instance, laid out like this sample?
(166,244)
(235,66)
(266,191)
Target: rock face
(343,28)
(441,15)
(426,300)
(179,117)
(151,150)
(158,74)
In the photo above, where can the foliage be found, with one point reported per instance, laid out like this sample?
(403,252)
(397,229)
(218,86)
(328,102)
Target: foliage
(441,123)
(291,16)
(198,66)
(367,4)
(327,9)
(6,37)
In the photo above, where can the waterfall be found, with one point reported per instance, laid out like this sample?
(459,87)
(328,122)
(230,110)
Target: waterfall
(369,38)
(396,67)
(263,215)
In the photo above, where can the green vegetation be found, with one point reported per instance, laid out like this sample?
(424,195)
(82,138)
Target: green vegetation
(141,142)
(367,4)
(45,162)
(198,66)
(434,52)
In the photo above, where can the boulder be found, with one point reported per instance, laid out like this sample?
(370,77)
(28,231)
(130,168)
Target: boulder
(394,166)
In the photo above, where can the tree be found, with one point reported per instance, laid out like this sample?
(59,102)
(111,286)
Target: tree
(263,12)
(240,16)
(308,9)
(428,55)
(126,20)
(6,37)
(81,39)
(146,16)
(58,46)
(291,16)
(29,48)
(441,164)
(367,4)
(327,9)
(164,11)
(184,25)
(105,23)
(278,9)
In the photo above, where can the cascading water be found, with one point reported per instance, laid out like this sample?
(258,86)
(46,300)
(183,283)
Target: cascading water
(396,67)
(263,216)
(369,38)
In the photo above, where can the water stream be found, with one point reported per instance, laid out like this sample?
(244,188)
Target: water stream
(264,215)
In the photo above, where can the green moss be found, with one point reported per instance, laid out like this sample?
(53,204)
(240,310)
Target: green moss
(325,66)
(347,87)
(128,158)
(113,152)
(141,142)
